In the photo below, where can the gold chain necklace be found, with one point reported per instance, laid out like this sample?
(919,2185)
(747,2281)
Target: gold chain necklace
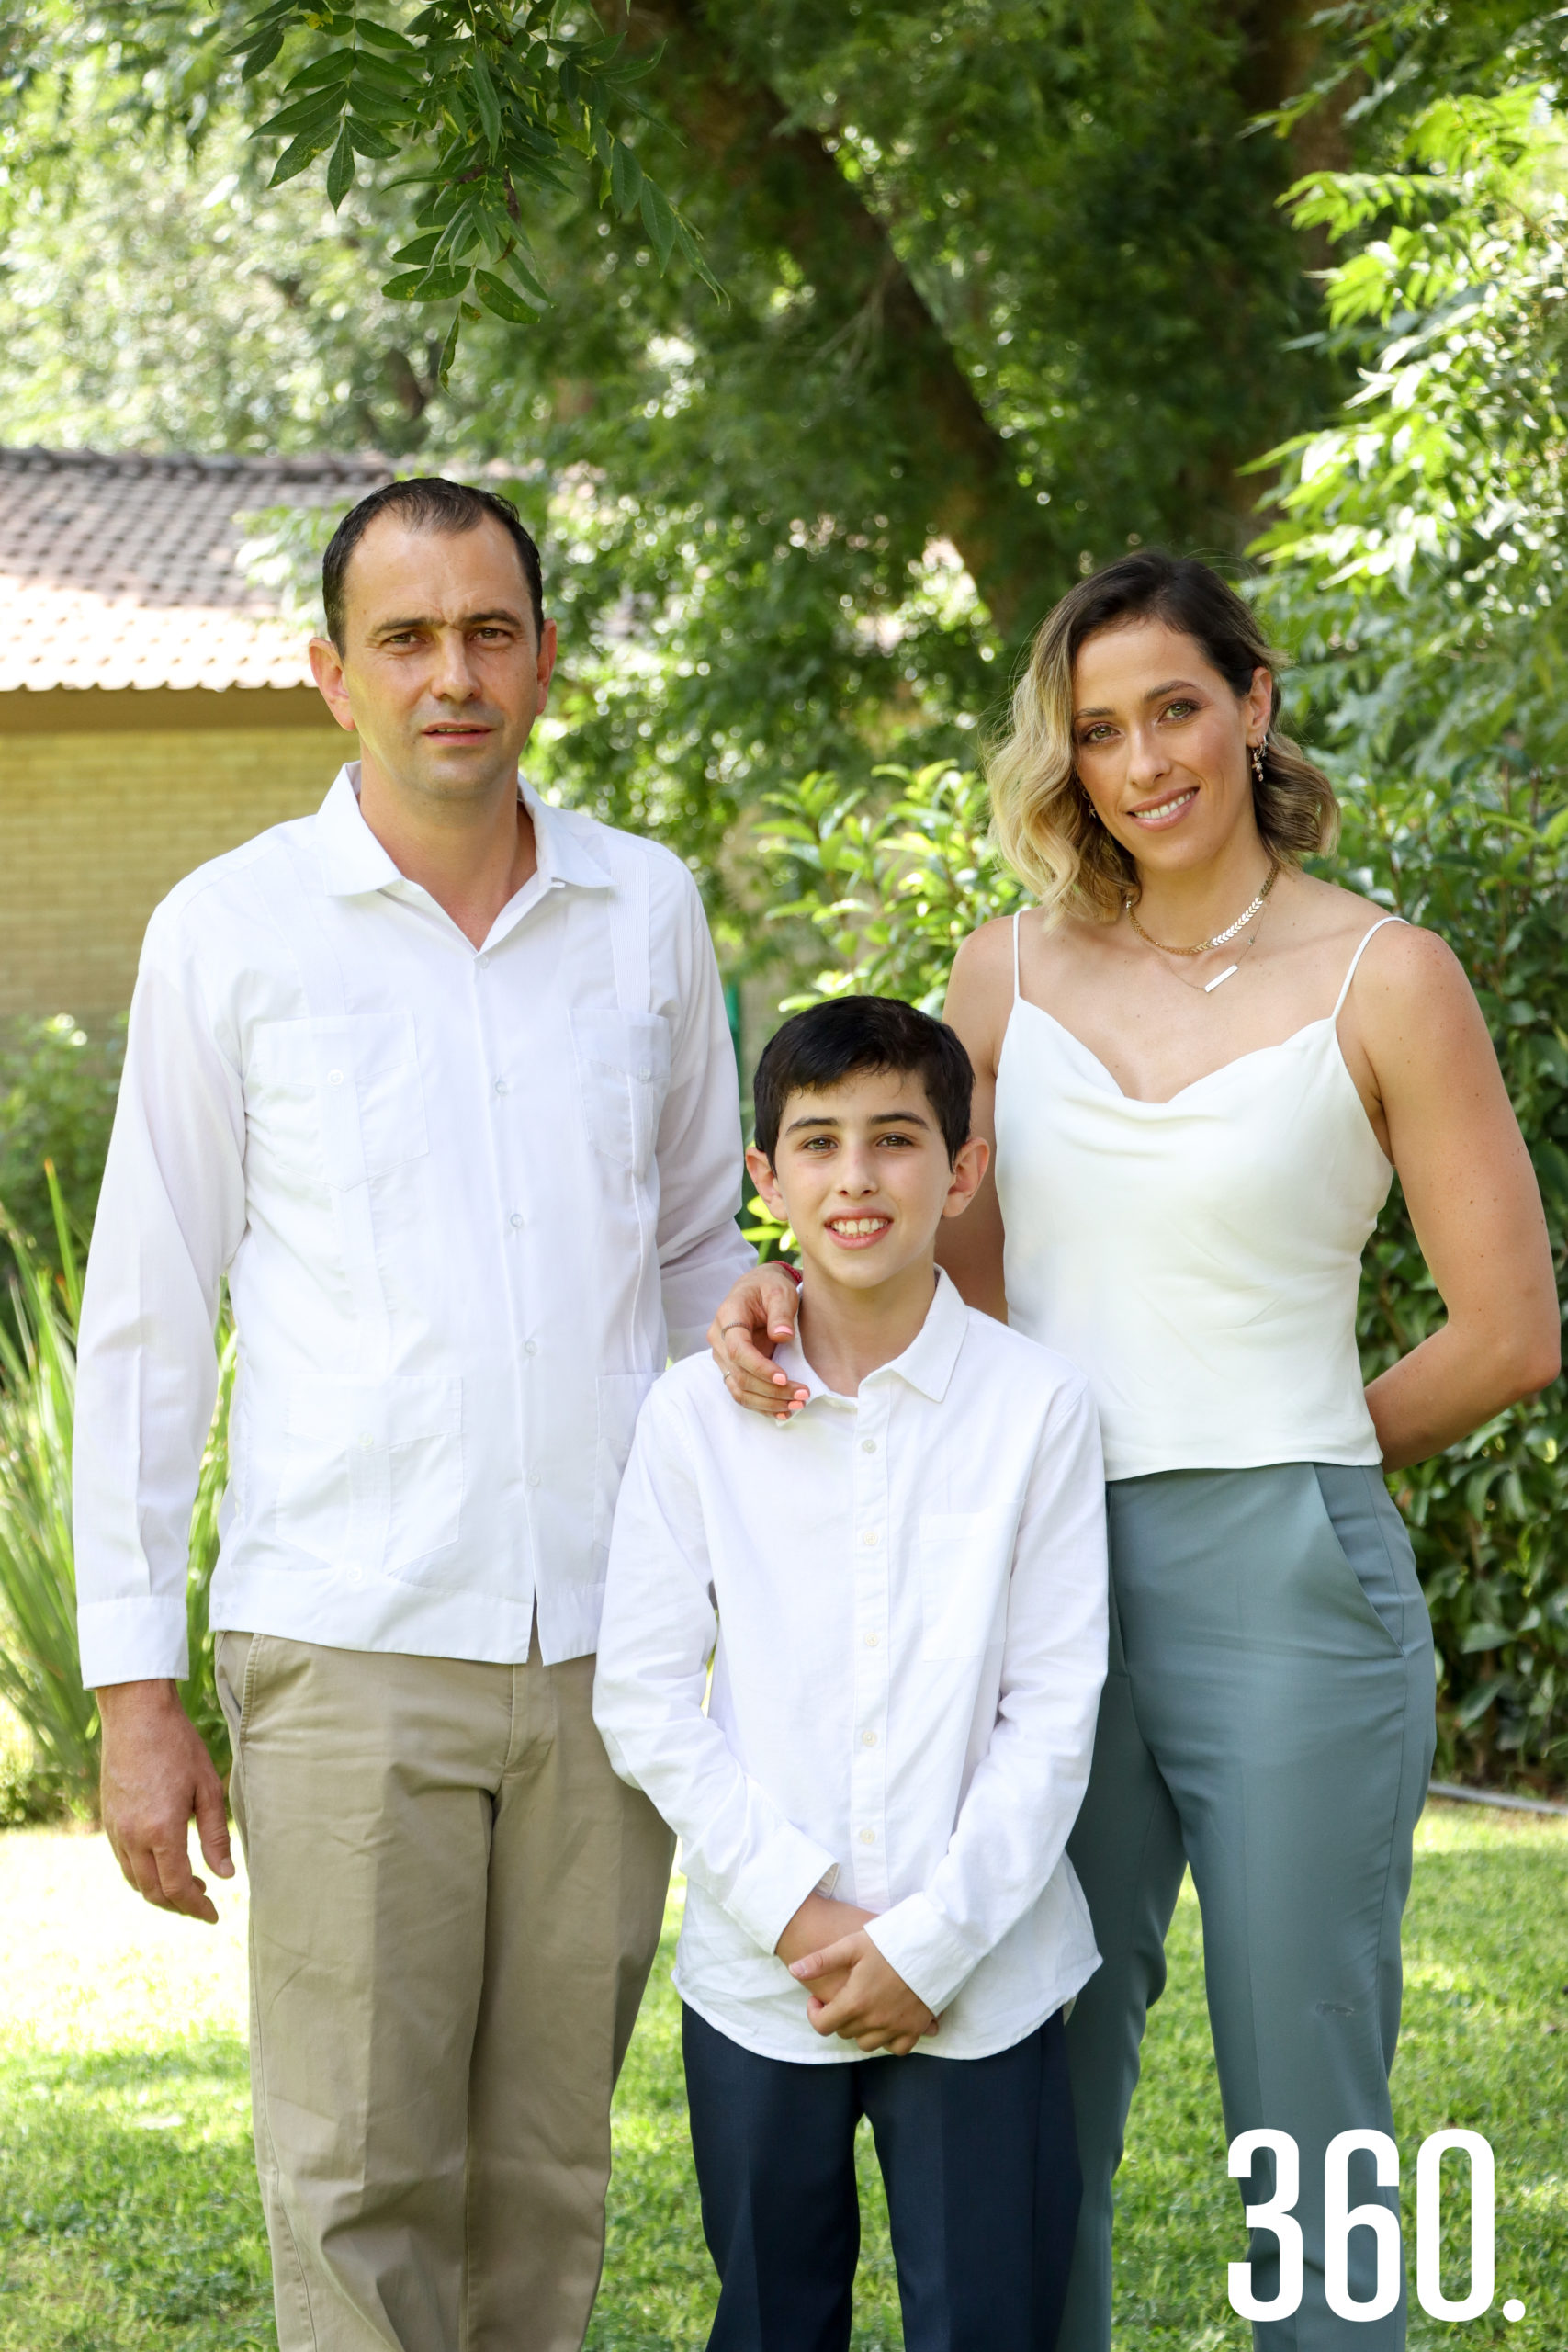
(1207,988)
(1206,946)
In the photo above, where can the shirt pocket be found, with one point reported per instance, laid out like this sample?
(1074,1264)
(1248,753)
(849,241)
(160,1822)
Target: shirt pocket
(965,1556)
(372,1475)
(339,1096)
(622,1075)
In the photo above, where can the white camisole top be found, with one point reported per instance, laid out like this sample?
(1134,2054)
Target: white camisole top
(1199,1258)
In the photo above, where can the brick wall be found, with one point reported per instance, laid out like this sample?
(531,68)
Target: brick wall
(96,828)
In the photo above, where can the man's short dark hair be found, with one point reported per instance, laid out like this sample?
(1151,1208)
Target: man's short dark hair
(850,1035)
(425,502)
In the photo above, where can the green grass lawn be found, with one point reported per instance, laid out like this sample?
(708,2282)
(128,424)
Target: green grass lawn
(128,2208)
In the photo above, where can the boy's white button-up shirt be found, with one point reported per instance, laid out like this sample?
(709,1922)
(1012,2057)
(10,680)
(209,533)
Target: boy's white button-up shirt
(903,1594)
(467,1201)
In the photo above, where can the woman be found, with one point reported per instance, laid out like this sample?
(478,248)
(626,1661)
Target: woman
(1198,1070)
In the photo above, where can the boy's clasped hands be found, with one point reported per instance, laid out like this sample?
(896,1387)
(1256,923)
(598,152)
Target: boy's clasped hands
(853,1990)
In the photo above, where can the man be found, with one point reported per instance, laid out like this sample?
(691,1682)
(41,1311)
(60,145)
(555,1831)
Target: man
(439,1080)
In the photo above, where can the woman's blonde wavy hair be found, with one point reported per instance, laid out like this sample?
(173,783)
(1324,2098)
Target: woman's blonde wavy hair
(1041,818)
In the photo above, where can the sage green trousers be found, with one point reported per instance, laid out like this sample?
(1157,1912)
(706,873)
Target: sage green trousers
(1268,1720)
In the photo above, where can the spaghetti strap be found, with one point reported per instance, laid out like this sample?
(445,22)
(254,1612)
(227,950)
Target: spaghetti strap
(1016,990)
(1360,950)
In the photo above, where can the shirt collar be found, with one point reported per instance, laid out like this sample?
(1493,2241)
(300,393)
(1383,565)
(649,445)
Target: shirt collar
(355,862)
(926,1363)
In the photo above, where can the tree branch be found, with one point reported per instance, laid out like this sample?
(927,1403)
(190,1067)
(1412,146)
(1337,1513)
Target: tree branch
(794,198)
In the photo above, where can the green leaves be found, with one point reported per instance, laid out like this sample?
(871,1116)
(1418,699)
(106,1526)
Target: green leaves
(892,885)
(505,300)
(340,169)
(625,177)
(494,114)
(1421,539)
(485,100)
(658,219)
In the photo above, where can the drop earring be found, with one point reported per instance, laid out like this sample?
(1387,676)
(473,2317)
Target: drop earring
(1257,763)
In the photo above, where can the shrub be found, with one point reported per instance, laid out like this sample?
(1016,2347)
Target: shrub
(57,1097)
(39,1677)
(39,1674)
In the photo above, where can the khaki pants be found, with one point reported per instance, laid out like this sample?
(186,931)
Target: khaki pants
(454,1905)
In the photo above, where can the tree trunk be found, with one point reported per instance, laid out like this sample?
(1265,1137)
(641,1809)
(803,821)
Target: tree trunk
(796,197)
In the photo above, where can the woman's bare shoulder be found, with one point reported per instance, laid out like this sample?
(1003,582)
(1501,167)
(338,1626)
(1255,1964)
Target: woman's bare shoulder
(987,952)
(1327,909)
(1408,985)
(979,991)
(1404,951)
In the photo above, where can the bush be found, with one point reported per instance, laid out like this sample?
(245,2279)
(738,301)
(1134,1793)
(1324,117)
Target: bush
(892,890)
(57,1097)
(1491,876)
(1418,567)
(39,1676)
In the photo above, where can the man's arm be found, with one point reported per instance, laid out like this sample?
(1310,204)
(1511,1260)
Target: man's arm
(701,1251)
(656,1638)
(170,1216)
(1013,1824)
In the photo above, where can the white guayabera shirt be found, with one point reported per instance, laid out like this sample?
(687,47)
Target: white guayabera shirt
(908,1588)
(467,1203)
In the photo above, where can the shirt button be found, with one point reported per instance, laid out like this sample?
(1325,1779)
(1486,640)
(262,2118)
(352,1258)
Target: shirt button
(535,1477)
(645,1076)
(871,1535)
(868,1739)
(871,1640)
(334,1078)
(481,962)
(365,1439)
(530,1347)
(516,1220)
(868,1837)
(501,1086)
(868,1445)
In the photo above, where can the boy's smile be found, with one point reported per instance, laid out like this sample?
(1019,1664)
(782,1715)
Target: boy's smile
(854,1230)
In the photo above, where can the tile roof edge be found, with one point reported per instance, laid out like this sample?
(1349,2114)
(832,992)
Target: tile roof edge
(306,466)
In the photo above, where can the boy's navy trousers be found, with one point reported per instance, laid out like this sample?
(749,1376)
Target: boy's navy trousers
(981,2169)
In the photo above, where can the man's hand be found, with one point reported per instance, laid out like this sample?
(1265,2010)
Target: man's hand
(760,1311)
(156,1774)
(873,2007)
(820,1922)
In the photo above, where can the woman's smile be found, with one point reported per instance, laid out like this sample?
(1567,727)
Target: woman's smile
(1155,814)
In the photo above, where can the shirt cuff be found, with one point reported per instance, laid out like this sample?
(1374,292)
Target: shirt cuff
(141,1638)
(775,1882)
(927,1950)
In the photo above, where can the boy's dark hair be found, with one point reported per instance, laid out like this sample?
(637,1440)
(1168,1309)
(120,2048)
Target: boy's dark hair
(425,502)
(850,1034)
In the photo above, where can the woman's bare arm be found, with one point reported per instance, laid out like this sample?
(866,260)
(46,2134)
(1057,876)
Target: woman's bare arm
(979,998)
(1472,1198)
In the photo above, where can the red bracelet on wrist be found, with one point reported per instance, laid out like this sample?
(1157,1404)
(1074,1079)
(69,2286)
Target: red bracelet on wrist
(793,1272)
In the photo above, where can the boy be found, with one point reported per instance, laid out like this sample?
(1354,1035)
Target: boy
(907,1584)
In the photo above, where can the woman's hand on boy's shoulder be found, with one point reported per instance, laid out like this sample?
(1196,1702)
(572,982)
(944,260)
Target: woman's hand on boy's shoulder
(760,1311)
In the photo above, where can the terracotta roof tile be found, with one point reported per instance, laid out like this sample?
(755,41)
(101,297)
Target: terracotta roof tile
(124,570)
